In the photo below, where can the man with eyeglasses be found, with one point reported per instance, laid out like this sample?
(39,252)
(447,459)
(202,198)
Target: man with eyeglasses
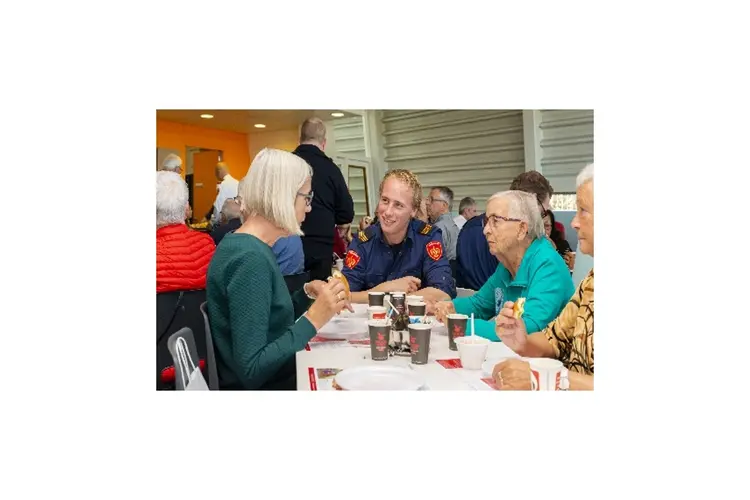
(332,204)
(439,206)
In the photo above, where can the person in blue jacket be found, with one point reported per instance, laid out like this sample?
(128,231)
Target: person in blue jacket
(474,262)
(529,267)
(399,252)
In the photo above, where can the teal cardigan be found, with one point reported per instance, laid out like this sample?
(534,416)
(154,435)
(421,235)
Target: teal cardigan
(257,328)
(543,278)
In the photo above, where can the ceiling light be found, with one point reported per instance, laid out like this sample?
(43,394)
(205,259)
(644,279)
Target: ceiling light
(207,116)
(337,114)
(259,125)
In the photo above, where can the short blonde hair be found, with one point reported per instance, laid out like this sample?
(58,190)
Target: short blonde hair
(312,129)
(270,188)
(408,178)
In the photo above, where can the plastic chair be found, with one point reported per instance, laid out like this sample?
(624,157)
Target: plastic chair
(213,374)
(192,352)
(175,310)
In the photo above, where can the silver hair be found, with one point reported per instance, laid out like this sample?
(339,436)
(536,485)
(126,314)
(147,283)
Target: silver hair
(587,174)
(171,198)
(467,202)
(172,163)
(231,209)
(447,194)
(523,206)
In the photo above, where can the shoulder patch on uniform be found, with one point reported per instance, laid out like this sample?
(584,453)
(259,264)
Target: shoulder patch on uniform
(352,259)
(426,229)
(434,250)
(362,236)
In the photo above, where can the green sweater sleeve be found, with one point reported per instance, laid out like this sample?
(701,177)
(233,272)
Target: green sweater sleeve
(482,304)
(258,351)
(301,302)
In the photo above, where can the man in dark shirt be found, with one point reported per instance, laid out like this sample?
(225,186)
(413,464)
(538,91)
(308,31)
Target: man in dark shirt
(332,204)
(474,263)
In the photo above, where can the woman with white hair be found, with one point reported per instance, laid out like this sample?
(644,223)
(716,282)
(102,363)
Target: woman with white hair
(182,255)
(529,267)
(257,327)
(570,337)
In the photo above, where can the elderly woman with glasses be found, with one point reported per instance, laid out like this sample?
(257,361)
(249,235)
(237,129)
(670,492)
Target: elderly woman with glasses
(529,267)
(257,327)
(569,338)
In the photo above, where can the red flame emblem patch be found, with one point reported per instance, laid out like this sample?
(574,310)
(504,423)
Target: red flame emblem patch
(435,250)
(352,259)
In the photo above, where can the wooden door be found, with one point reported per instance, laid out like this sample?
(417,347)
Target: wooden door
(204,182)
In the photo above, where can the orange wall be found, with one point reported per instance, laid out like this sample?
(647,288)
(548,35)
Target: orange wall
(179,136)
(286,140)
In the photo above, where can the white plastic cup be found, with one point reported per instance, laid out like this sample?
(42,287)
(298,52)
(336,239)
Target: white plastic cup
(546,374)
(472,351)
(340,264)
(414,298)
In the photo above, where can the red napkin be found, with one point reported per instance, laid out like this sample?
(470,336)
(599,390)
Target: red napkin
(450,363)
(489,381)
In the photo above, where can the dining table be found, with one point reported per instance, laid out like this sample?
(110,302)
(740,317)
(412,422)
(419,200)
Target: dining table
(326,355)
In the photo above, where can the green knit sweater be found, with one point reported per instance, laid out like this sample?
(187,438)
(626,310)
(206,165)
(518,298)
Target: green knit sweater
(252,316)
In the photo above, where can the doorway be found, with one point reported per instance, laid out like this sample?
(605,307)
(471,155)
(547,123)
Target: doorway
(357,176)
(200,176)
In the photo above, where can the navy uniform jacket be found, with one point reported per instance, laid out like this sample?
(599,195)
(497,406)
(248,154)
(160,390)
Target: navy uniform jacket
(370,261)
(474,262)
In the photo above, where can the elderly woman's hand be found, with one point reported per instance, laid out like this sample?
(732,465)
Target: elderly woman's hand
(512,375)
(443,309)
(330,300)
(510,330)
(570,259)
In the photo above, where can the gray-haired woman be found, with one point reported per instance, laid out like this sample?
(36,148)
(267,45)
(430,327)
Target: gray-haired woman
(529,267)
(570,337)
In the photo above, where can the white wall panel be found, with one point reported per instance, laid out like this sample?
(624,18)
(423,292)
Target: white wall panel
(349,136)
(474,152)
(567,145)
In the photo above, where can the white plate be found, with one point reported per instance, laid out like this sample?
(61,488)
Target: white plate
(344,328)
(360,311)
(379,378)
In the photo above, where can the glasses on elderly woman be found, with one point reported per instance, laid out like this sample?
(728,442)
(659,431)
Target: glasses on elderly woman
(307,196)
(494,220)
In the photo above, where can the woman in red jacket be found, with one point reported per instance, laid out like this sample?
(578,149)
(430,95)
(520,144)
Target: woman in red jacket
(182,255)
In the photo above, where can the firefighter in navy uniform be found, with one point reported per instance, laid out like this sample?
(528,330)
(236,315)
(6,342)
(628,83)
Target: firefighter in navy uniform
(399,252)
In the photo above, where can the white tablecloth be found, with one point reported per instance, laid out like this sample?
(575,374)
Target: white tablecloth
(341,355)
